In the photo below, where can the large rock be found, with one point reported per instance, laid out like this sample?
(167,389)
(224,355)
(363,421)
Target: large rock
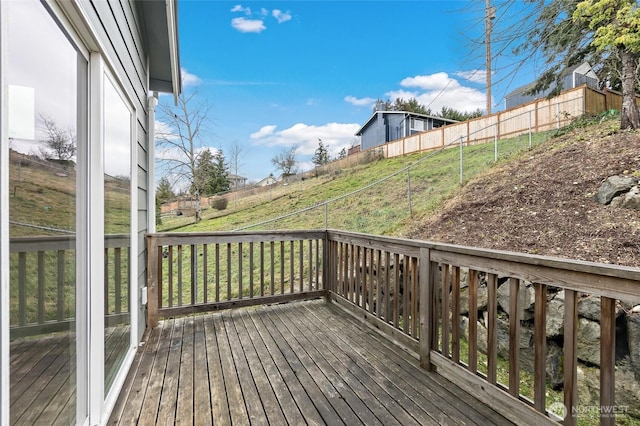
(553,365)
(589,341)
(526,296)
(555,316)
(614,186)
(589,308)
(633,339)
(483,298)
(627,391)
(631,199)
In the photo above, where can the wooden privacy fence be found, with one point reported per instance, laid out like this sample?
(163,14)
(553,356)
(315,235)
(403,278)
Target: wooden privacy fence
(191,272)
(426,296)
(43,282)
(536,116)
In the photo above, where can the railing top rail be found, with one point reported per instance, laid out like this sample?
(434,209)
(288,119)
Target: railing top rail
(604,279)
(60,242)
(175,238)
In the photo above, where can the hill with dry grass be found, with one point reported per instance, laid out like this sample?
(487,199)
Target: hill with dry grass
(543,203)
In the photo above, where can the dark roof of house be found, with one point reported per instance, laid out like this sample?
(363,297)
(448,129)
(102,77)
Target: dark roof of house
(525,87)
(407,113)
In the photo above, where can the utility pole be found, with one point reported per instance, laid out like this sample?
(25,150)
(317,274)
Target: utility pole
(490,15)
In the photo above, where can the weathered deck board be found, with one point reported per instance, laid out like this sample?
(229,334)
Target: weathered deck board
(296,363)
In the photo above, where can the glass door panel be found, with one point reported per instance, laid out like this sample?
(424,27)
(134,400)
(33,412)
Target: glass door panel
(46,83)
(117,203)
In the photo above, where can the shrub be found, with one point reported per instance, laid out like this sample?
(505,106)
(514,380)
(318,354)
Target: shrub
(220,203)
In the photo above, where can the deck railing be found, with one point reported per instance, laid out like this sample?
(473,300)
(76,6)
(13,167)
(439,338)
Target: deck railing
(424,295)
(197,272)
(43,282)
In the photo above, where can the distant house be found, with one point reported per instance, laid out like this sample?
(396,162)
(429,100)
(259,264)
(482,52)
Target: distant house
(269,180)
(573,77)
(236,181)
(386,126)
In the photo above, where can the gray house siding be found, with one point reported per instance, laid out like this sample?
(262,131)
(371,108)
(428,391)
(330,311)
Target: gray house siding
(574,78)
(387,126)
(118,22)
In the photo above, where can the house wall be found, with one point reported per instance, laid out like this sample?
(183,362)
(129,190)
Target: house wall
(118,25)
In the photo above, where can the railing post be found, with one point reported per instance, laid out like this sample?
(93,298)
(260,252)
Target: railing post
(427,313)
(328,286)
(152,282)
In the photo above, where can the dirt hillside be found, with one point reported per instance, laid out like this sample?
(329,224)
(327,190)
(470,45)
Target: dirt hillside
(543,203)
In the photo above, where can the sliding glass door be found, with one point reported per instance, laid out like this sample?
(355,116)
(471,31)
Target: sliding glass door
(46,86)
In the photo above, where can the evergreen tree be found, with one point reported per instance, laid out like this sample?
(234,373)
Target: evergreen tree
(164,192)
(321,155)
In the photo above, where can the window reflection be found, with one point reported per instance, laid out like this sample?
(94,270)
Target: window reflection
(46,76)
(117,201)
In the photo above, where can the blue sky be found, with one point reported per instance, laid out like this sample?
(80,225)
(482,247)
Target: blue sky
(282,74)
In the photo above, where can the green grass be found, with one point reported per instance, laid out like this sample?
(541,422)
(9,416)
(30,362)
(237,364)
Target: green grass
(382,209)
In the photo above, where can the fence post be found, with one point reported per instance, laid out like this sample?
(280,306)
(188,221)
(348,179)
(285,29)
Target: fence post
(326,216)
(495,144)
(461,162)
(409,191)
(530,142)
(427,313)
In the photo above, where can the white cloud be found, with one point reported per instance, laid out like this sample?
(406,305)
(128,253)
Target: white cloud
(189,79)
(474,76)
(306,137)
(436,81)
(239,8)
(263,132)
(281,16)
(248,25)
(437,90)
(359,101)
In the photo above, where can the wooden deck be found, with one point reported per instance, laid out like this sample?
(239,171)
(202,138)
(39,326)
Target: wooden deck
(296,363)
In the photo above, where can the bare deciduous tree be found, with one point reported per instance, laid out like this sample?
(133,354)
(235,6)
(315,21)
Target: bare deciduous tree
(60,142)
(286,161)
(179,141)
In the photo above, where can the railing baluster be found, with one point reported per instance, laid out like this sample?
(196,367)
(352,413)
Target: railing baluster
(358,275)
(396,291)
(364,280)
(445,309)
(387,287)
(282,263)
(217,262)
(372,287)
(414,297)
(570,352)
(317,264)
(22,288)
(455,314)
(240,289)
(117,279)
(301,266)
(106,281)
(514,337)
(292,272)
(61,277)
(540,347)
(492,328)
(251,249)
(261,268)
(157,282)
(41,274)
(194,274)
(271,252)
(378,271)
(229,251)
(473,321)
(180,275)
(170,272)
(205,273)
(607,359)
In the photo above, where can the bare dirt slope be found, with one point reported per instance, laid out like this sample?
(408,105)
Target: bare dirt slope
(543,203)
